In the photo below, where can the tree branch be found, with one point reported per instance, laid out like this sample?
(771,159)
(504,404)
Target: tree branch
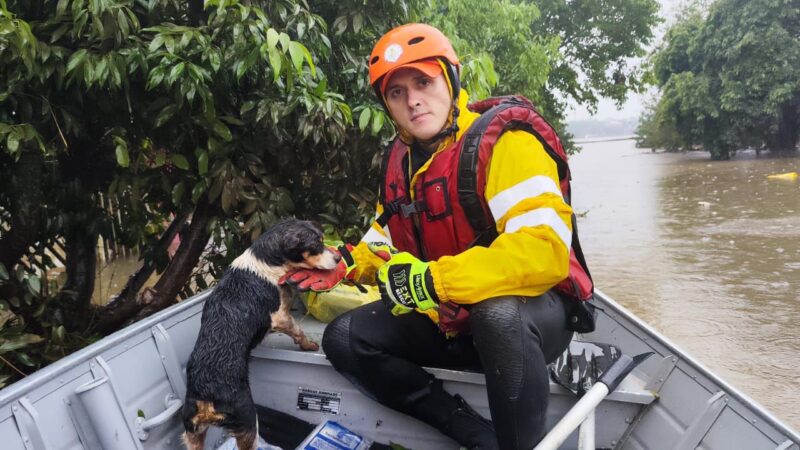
(126,304)
(180,268)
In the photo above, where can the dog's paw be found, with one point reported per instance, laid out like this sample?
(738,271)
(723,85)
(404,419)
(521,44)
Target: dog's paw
(309,346)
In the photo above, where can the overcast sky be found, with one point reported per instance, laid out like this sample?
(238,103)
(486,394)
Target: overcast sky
(633,107)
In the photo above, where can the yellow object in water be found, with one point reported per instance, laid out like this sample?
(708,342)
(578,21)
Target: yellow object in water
(791,176)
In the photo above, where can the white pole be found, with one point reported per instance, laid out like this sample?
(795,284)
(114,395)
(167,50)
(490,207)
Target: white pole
(586,433)
(574,417)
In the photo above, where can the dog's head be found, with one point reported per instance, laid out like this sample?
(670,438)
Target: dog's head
(295,244)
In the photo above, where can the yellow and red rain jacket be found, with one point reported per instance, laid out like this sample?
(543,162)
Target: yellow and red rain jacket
(515,237)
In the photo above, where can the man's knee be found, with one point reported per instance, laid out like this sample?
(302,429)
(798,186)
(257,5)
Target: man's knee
(336,341)
(495,312)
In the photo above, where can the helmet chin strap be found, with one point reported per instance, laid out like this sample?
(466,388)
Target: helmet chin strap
(454,83)
(446,131)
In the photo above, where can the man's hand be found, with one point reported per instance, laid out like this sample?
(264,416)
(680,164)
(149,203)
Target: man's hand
(405,282)
(323,280)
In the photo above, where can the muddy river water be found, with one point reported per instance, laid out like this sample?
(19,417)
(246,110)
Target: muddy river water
(707,253)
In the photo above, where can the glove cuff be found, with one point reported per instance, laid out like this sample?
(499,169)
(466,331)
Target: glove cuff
(348,260)
(430,287)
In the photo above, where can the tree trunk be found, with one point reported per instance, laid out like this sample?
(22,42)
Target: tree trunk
(127,303)
(26,200)
(76,295)
(183,263)
(786,139)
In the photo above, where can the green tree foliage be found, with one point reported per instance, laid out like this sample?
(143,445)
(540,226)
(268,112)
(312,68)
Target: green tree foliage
(141,120)
(551,51)
(728,79)
(227,112)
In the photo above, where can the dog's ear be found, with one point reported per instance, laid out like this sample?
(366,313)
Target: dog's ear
(317,225)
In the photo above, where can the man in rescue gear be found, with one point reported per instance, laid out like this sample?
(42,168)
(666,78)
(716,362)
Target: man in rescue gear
(473,248)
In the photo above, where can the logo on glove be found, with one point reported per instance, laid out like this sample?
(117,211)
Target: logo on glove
(400,288)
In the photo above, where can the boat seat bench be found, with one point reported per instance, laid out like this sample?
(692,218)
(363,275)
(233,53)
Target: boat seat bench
(280,346)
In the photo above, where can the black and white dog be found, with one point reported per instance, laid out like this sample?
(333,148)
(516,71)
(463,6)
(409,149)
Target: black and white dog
(247,302)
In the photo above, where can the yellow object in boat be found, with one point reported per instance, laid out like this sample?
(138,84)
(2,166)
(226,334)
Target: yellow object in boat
(791,176)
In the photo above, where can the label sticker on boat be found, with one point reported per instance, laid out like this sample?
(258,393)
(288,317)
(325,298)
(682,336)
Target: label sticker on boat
(309,399)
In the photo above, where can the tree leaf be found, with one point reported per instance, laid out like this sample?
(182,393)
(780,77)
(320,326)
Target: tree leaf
(272,38)
(275,61)
(363,119)
(61,7)
(123,159)
(13,143)
(377,123)
(75,59)
(214,60)
(177,193)
(296,53)
(284,39)
(25,359)
(202,163)
(58,333)
(122,20)
(179,161)
(157,42)
(198,190)
(176,71)
(222,130)
(165,115)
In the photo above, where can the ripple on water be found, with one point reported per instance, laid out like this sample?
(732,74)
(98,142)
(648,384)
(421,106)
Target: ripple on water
(778,353)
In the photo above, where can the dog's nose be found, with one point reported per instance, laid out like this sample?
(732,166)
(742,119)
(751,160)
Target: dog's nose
(337,257)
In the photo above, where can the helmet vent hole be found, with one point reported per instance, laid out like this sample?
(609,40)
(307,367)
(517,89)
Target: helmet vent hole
(374,60)
(416,40)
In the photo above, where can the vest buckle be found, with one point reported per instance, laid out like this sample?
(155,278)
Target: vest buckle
(413,208)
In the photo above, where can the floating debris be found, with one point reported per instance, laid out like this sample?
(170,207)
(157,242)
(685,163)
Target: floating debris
(790,176)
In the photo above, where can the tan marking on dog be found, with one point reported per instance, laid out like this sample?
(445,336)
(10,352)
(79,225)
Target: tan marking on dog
(196,440)
(323,261)
(246,440)
(283,321)
(206,414)
(248,261)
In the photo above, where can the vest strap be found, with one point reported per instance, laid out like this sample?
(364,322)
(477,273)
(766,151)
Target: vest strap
(406,209)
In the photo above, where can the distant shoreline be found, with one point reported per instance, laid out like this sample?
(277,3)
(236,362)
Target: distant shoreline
(590,140)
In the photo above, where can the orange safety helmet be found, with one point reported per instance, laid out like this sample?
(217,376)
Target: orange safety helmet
(406,44)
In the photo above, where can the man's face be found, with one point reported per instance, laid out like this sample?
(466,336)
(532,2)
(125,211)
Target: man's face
(419,104)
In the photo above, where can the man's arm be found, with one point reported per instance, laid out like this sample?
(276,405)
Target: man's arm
(531,253)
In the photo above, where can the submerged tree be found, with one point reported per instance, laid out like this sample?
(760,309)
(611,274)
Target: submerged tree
(728,79)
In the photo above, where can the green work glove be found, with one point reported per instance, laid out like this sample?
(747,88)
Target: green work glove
(404,281)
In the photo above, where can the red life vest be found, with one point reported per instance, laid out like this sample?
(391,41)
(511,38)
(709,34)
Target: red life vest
(449,212)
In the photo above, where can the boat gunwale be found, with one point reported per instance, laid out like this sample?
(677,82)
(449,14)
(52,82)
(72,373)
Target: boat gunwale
(181,312)
(74,360)
(686,358)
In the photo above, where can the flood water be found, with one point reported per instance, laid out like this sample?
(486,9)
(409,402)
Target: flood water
(707,253)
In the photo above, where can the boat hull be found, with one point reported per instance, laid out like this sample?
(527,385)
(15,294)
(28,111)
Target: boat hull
(670,401)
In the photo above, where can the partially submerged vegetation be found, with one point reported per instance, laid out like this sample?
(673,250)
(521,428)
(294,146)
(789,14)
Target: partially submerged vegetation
(728,80)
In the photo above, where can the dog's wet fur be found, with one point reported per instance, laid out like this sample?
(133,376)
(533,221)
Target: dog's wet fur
(244,306)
